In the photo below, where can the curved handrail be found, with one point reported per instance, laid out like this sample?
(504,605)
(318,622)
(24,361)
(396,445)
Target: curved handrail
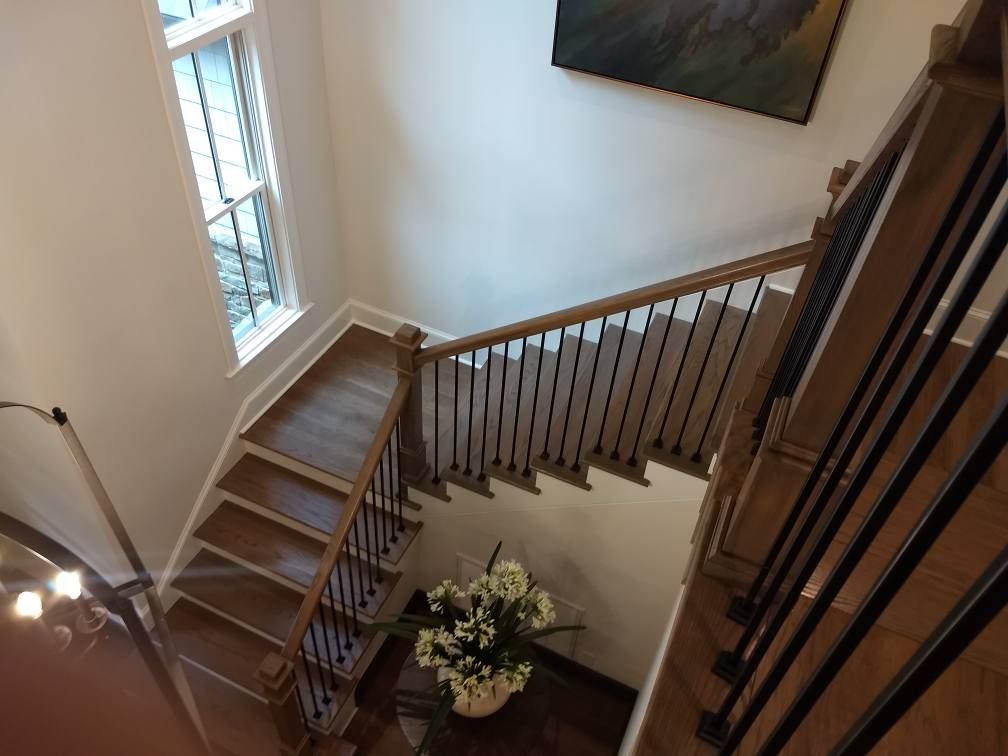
(338,539)
(738,270)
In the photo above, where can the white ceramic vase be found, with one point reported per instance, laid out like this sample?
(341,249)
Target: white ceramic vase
(492,698)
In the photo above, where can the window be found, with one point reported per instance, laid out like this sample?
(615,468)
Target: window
(216,77)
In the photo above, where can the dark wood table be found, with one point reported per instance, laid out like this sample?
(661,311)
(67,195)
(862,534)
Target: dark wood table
(515,729)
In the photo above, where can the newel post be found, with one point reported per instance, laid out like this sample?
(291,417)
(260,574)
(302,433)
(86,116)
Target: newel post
(276,675)
(407,341)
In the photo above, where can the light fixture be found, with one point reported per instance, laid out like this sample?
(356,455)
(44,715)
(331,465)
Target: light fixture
(68,584)
(29,604)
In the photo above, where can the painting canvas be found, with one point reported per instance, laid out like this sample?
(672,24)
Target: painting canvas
(767,56)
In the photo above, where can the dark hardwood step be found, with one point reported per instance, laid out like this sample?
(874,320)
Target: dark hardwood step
(313,504)
(268,606)
(235,654)
(288,553)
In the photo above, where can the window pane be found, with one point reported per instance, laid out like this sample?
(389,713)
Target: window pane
(217,69)
(224,242)
(176,11)
(258,259)
(196,129)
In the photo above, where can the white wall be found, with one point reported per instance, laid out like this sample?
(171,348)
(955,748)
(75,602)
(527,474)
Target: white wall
(618,552)
(479,185)
(102,292)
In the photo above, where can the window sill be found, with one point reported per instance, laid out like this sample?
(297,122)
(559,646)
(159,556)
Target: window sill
(255,344)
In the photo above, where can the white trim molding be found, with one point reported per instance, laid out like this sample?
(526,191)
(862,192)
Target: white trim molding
(972,325)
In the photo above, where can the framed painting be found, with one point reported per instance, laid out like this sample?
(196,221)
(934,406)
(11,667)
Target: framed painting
(764,56)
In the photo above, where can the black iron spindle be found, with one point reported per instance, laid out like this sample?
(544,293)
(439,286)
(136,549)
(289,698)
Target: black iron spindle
(535,403)
(327,643)
(360,567)
(337,610)
(632,460)
(545,455)
(367,538)
(437,432)
(300,702)
(570,396)
(698,454)
(472,398)
(521,379)
(658,442)
(984,450)
(984,601)
(576,466)
(500,411)
(743,608)
(953,397)
(455,464)
(612,383)
(677,449)
(399,488)
(488,368)
(326,698)
(343,601)
(614,454)
(381,487)
(316,713)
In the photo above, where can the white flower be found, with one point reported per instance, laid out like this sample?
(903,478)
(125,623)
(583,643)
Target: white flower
(470,679)
(478,626)
(443,594)
(517,676)
(512,581)
(435,647)
(540,608)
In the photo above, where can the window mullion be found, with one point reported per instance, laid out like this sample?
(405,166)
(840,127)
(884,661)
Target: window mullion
(250,135)
(201,84)
(244,264)
(219,211)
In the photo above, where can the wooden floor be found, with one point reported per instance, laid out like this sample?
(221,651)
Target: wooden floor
(586,719)
(963,713)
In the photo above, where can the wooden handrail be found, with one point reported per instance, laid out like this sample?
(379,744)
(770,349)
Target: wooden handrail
(338,539)
(732,272)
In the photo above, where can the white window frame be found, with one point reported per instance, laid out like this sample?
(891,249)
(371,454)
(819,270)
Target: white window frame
(248,18)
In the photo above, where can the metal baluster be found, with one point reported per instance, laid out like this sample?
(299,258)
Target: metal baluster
(326,698)
(658,442)
(612,383)
(360,567)
(472,397)
(300,702)
(340,656)
(437,432)
(677,449)
(455,464)
(973,465)
(488,365)
(698,454)
(381,491)
(535,401)
(317,713)
(327,641)
(399,490)
(576,466)
(632,461)
(544,455)
(967,620)
(615,455)
(570,398)
(521,379)
(352,604)
(955,393)
(743,608)
(367,537)
(500,413)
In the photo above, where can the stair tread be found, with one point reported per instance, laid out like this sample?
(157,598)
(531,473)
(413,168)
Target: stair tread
(307,501)
(263,604)
(283,551)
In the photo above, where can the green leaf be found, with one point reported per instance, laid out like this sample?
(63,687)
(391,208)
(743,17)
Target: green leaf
(437,720)
(422,619)
(394,628)
(522,639)
(493,557)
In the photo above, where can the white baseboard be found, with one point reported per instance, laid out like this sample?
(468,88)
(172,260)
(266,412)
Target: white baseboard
(974,322)
(388,322)
(257,402)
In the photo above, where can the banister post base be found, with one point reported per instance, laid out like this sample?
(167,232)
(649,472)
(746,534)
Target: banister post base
(710,731)
(276,675)
(413,449)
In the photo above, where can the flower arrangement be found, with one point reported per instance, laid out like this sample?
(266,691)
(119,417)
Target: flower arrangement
(477,652)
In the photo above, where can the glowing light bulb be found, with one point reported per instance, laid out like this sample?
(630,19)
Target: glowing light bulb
(68,583)
(29,604)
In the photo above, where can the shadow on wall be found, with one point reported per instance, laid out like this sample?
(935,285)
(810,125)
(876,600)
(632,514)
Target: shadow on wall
(39,482)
